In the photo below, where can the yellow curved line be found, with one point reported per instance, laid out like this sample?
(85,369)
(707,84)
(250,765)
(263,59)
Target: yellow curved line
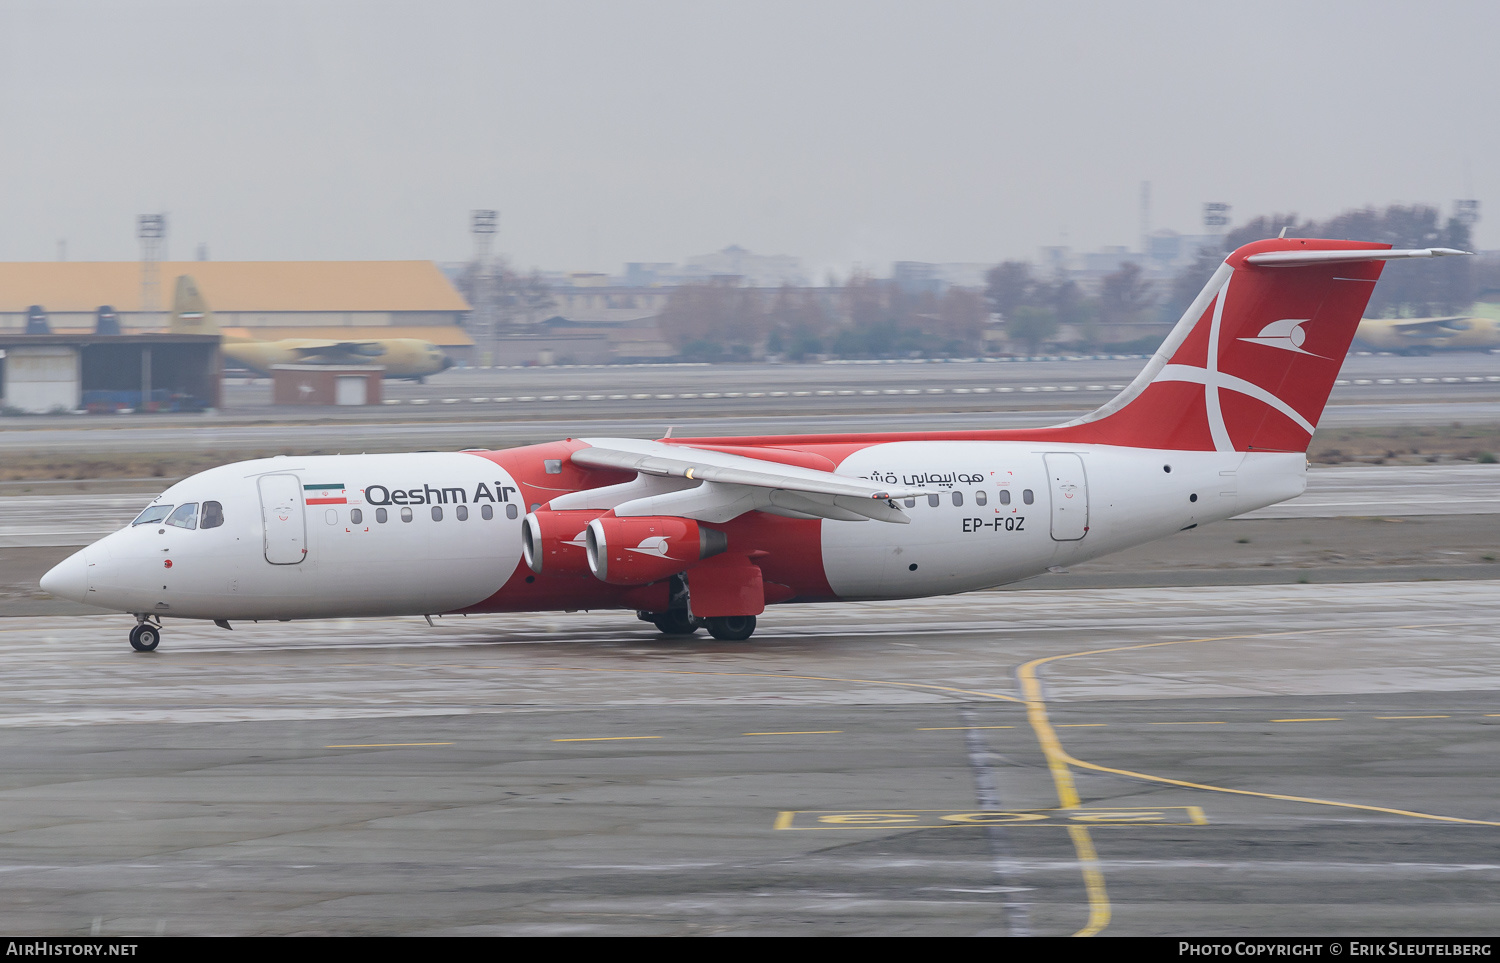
(1067,794)
(1058,761)
(1093,881)
(1312,800)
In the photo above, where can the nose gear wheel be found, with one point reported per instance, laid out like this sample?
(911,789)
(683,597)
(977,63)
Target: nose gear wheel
(145,637)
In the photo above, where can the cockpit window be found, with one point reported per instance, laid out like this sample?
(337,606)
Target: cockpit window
(186,516)
(155,513)
(213,515)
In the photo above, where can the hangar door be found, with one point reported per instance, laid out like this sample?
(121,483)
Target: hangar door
(42,378)
(1069,489)
(286,526)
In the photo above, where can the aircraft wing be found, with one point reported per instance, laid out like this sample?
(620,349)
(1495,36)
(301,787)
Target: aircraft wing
(354,350)
(716,486)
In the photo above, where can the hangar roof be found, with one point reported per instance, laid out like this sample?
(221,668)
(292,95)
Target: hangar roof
(66,286)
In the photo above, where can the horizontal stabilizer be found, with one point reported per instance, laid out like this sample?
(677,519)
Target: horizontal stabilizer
(1298,258)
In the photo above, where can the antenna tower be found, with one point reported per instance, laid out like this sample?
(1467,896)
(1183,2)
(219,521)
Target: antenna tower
(151,229)
(483,224)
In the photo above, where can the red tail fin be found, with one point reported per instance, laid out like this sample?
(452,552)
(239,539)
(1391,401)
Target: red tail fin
(1250,365)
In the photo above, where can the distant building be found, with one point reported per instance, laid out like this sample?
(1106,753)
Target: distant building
(1167,253)
(755,270)
(608,303)
(917,277)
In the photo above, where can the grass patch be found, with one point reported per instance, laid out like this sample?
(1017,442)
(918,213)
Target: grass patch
(1405,445)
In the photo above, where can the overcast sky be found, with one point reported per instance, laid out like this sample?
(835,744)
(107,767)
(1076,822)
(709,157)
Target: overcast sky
(843,133)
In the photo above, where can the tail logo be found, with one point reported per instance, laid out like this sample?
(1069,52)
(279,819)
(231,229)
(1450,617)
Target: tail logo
(1279,334)
(1286,334)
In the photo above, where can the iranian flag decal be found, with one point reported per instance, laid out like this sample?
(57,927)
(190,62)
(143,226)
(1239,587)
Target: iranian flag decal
(333,494)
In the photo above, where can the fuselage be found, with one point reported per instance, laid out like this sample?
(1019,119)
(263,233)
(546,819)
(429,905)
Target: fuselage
(429,533)
(401,357)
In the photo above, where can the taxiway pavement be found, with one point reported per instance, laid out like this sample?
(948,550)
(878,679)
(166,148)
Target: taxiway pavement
(1248,760)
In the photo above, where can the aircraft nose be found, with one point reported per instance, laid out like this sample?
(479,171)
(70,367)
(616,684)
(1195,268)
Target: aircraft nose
(447,362)
(68,579)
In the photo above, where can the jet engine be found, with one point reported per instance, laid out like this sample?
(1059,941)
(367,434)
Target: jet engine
(636,551)
(553,542)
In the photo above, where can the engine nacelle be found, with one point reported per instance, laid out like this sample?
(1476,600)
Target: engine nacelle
(636,551)
(553,542)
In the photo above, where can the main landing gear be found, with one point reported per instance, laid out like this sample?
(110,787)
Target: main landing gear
(725,628)
(731,628)
(675,622)
(678,620)
(146,635)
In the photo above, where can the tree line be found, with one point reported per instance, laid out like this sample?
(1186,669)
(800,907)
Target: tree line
(863,318)
(867,317)
(1406,288)
(1034,308)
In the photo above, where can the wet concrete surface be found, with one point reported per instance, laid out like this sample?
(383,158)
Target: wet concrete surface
(1292,759)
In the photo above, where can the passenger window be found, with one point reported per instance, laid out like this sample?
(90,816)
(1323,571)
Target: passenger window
(510,511)
(958,499)
(980,497)
(486,512)
(356,516)
(406,514)
(213,515)
(331,516)
(1027,497)
(186,516)
(153,514)
(381,515)
(933,500)
(462,512)
(437,513)
(911,503)
(1005,496)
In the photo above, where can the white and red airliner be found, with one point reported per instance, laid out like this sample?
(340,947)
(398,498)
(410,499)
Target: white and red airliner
(701,532)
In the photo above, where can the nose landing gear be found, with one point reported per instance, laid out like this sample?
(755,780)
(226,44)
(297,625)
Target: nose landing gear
(146,635)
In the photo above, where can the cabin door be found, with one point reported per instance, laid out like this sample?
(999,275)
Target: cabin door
(286,526)
(1069,489)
